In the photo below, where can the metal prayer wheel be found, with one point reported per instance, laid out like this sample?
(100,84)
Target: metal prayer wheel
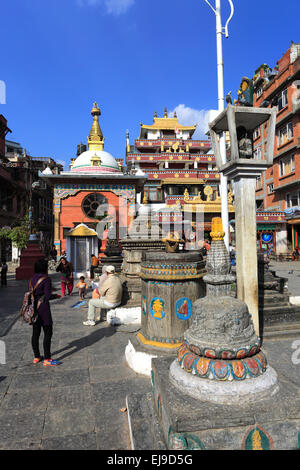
(171,282)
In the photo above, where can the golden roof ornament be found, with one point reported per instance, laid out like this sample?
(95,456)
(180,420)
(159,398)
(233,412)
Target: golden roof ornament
(145,201)
(217,232)
(95,138)
(165,113)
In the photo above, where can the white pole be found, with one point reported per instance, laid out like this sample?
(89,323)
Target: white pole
(221,105)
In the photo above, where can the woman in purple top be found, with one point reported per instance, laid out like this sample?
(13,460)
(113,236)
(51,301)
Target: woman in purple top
(42,296)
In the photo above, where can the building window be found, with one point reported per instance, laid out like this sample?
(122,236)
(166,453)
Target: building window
(292,200)
(270,188)
(91,203)
(257,153)
(259,182)
(256,133)
(153,194)
(282,100)
(259,92)
(292,163)
(285,134)
(287,165)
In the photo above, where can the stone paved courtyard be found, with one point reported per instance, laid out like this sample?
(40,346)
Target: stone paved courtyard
(77,405)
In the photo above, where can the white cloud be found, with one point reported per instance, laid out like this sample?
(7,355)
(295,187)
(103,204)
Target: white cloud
(118,7)
(113,7)
(189,117)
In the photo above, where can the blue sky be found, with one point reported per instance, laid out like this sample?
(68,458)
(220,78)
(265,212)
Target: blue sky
(133,57)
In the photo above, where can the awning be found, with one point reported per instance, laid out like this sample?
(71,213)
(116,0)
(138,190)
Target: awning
(266,227)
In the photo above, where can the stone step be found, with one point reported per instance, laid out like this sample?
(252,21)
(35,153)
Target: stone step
(145,432)
(277,310)
(274,301)
(282,331)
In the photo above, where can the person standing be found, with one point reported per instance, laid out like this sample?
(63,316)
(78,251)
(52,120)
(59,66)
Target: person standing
(53,253)
(110,294)
(41,283)
(4,269)
(94,265)
(66,270)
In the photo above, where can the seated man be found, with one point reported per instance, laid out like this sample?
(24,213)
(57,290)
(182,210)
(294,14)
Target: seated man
(110,296)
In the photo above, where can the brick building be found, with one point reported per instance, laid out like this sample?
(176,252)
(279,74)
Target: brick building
(278,189)
(20,187)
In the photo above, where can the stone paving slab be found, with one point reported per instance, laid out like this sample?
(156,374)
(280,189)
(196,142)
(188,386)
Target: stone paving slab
(86,441)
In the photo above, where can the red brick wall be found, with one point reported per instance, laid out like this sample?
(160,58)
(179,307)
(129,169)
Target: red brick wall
(71,211)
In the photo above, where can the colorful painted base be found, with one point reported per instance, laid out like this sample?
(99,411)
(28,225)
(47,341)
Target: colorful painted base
(209,367)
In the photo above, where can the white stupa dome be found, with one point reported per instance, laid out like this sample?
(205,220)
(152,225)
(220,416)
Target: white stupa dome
(95,161)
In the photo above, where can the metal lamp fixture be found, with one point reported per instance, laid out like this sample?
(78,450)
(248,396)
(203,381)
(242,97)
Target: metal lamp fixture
(240,122)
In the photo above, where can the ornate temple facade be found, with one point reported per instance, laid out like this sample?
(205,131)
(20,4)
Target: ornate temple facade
(182,178)
(91,199)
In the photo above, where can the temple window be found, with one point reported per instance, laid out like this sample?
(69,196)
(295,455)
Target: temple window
(91,203)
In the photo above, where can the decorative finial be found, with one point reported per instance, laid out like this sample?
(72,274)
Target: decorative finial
(95,110)
(217,232)
(155,114)
(145,201)
(175,114)
(95,138)
(166,113)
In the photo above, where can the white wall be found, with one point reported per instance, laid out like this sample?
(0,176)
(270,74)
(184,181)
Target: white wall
(281,240)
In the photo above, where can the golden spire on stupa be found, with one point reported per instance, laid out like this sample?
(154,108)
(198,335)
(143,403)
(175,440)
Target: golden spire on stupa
(217,232)
(95,138)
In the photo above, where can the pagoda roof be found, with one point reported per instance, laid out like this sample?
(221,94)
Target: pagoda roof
(167,123)
(81,230)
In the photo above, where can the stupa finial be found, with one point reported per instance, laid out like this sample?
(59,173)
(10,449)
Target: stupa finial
(95,138)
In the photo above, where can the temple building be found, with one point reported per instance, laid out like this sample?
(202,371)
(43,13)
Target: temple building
(91,199)
(182,177)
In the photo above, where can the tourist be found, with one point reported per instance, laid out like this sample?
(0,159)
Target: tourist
(66,270)
(82,287)
(207,246)
(232,254)
(4,269)
(110,296)
(42,294)
(94,265)
(53,253)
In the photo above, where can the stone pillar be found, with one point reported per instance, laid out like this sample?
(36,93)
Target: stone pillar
(246,251)
(56,210)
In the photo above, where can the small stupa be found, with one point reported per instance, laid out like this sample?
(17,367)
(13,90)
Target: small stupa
(221,358)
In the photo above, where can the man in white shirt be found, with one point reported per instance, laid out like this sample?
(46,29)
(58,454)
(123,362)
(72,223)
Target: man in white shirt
(110,295)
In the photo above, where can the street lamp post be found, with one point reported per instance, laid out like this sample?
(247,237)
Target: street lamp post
(221,105)
(242,168)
